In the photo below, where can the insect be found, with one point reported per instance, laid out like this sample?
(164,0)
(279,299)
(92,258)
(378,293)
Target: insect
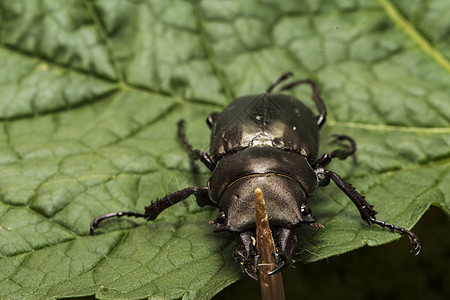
(268,141)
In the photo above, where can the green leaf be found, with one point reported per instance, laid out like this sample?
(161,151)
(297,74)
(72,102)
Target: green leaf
(90,92)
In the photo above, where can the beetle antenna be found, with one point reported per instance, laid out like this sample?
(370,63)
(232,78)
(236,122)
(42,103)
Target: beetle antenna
(283,77)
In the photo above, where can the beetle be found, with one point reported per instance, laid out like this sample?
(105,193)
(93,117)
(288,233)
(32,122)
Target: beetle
(268,141)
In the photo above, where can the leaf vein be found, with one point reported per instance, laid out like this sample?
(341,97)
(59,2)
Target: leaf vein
(414,34)
(99,25)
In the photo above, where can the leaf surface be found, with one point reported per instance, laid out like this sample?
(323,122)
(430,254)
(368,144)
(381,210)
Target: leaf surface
(90,92)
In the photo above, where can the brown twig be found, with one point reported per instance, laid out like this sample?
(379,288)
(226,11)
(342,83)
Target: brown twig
(271,285)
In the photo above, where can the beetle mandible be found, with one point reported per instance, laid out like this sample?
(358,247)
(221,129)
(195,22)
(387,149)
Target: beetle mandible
(270,141)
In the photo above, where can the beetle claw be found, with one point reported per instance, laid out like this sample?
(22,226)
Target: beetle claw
(416,246)
(246,251)
(278,269)
(279,266)
(251,274)
(416,249)
(251,267)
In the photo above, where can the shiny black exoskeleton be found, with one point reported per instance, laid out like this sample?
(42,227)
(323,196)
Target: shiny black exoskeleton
(270,141)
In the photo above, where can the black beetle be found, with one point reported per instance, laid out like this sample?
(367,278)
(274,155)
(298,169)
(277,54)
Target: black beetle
(270,141)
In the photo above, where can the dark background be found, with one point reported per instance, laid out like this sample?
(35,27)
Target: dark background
(384,272)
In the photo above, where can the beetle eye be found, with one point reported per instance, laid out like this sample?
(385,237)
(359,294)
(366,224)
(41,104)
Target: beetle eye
(221,217)
(305,210)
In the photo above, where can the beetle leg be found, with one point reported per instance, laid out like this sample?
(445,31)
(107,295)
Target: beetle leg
(211,119)
(412,237)
(160,204)
(196,153)
(246,250)
(96,222)
(321,118)
(283,77)
(157,206)
(326,158)
(366,211)
(285,240)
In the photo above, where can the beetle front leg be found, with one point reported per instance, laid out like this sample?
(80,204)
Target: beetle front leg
(157,206)
(365,209)
(196,153)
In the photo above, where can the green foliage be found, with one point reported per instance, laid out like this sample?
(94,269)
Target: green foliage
(90,92)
